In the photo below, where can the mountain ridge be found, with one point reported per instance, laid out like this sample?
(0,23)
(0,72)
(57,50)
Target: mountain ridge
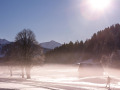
(4,41)
(50,45)
(46,46)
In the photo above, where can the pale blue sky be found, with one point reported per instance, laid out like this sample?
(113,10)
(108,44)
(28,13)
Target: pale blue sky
(59,20)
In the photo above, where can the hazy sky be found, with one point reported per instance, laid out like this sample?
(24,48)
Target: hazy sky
(59,20)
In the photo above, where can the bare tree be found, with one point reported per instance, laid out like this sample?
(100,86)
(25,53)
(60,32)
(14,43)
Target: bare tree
(28,48)
(11,56)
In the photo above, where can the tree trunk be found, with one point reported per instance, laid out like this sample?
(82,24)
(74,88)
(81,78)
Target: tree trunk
(11,71)
(27,69)
(22,72)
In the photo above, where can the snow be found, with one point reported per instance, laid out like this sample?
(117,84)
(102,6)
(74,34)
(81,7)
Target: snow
(55,77)
(88,61)
(4,41)
(50,45)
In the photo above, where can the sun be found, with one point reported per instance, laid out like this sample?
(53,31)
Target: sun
(95,9)
(99,4)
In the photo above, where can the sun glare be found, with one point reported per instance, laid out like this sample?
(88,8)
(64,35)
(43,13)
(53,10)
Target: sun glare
(94,9)
(99,4)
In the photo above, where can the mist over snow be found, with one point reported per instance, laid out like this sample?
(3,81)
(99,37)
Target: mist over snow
(56,77)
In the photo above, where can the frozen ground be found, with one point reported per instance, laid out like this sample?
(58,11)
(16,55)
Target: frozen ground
(56,77)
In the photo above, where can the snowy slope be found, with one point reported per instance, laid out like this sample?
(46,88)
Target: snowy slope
(50,45)
(4,41)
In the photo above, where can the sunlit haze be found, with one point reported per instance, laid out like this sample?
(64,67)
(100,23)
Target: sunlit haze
(57,77)
(100,4)
(59,44)
(59,20)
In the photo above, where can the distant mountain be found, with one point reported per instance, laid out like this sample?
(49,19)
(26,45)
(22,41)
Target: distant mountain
(4,41)
(50,45)
(47,46)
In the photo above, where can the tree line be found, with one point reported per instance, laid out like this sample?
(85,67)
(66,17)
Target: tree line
(104,42)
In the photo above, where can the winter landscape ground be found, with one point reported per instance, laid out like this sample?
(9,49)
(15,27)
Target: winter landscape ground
(56,77)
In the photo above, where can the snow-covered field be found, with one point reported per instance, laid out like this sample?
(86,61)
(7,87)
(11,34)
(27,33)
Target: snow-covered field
(56,77)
